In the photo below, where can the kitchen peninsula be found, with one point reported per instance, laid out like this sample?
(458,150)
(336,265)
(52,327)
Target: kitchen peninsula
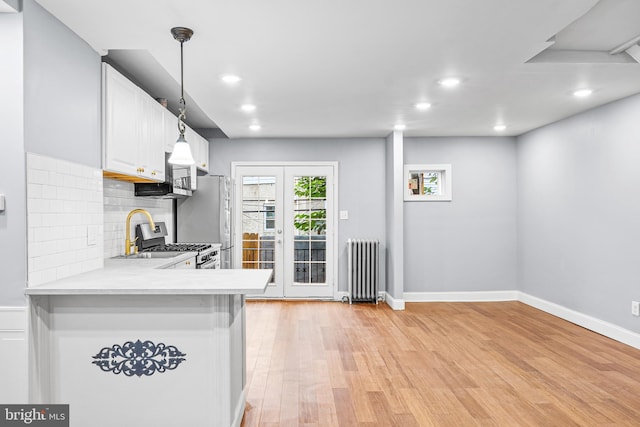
(136,344)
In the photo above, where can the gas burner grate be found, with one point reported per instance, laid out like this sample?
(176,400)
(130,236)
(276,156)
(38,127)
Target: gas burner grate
(179,247)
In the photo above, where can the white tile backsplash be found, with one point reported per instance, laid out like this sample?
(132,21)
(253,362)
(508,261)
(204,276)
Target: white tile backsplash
(119,200)
(75,218)
(64,202)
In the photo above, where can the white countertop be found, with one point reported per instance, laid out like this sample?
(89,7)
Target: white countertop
(146,277)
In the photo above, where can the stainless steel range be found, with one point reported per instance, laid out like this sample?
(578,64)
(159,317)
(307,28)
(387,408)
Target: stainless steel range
(148,240)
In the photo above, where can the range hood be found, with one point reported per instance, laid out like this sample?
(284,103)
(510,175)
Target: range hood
(177,184)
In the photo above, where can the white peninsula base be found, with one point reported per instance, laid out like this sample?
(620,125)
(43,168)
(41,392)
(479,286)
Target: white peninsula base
(139,359)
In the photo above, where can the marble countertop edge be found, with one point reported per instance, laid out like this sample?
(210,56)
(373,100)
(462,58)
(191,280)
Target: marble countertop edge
(146,277)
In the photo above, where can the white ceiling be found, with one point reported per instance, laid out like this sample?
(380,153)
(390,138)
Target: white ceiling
(9,6)
(356,67)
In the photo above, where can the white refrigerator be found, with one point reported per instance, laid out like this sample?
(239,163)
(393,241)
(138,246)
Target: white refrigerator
(205,217)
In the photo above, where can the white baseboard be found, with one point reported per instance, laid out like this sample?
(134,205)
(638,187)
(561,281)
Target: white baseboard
(593,324)
(461,296)
(240,408)
(607,329)
(394,303)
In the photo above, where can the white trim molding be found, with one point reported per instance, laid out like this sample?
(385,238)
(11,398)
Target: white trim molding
(461,296)
(602,327)
(394,303)
(239,411)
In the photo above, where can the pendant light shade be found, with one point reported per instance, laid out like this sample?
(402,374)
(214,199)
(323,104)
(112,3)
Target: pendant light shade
(181,154)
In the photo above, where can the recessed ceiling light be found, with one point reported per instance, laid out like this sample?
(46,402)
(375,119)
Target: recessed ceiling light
(581,93)
(248,107)
(450,82)
(230,79)
(255,127)
(422,106)
(499,128)
(399,126)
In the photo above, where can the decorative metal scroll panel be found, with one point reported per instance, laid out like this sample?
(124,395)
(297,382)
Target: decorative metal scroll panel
(139,358)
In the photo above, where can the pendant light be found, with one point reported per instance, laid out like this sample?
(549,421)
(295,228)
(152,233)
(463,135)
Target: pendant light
(181,154)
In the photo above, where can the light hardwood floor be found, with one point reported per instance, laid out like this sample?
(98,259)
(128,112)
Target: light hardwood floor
(435,364)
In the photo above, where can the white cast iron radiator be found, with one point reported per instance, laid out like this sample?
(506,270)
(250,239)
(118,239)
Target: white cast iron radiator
(363,270)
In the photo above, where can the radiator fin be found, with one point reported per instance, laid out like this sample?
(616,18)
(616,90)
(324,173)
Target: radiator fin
(363,270)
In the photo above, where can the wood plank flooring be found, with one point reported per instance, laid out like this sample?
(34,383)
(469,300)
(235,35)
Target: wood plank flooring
(435,364)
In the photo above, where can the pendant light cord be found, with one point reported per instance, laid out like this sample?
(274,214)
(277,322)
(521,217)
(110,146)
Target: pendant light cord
(183,106)
(182,72)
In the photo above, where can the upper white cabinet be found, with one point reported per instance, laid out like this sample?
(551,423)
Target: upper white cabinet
(170,131)
(119,123)
(133,131)
(153,138)
(201,154)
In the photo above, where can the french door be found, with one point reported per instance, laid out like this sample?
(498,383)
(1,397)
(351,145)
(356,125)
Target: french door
(284,220)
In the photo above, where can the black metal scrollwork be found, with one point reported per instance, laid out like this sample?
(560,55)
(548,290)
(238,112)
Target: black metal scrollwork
(139,358)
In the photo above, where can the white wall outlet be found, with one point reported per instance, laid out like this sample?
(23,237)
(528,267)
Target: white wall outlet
(92,235)
(1,202)
(635,308)
(344,214)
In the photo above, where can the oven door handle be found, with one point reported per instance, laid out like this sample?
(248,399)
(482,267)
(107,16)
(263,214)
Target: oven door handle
(207,265)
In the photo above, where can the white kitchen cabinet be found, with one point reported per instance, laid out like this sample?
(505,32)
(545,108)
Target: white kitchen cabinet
(151,148)
(202,149)
(119,123)
(190,136)
(132,129)
(186,264)
(170,131)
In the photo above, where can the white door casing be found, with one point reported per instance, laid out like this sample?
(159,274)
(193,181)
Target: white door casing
(303,255)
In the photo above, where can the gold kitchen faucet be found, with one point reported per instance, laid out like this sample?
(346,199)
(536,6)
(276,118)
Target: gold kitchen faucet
(128,243)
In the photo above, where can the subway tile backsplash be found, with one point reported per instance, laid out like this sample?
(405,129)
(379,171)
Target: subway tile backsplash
(64,219)
(76,218)
(119,200)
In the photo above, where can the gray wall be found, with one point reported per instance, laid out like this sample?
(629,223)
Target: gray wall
(469,243)
(361,178)
(61,90)
(579,212)
(51,84)
(13,229)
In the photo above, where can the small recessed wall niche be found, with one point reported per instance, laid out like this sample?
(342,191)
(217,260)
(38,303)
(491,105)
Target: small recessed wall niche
(427,183)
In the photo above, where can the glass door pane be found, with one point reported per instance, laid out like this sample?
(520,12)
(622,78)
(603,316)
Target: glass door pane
(308,218)
(258,224)
(310,226)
